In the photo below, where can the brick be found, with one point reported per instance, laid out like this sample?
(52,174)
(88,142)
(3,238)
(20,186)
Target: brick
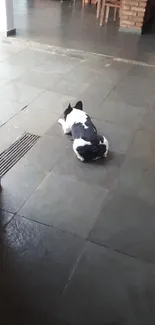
(126,7)
(140,14)
(138,9)
(124,25)
(142,5)
(138,24)
(130,3)
(128,23)
(136,19)
(132,13)
(129,12)
(124,17)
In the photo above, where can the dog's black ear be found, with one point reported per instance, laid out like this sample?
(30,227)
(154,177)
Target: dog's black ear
(67,111)
(79,105)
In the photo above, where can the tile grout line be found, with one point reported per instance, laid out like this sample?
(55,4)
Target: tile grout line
(22,109)
(119,81)
(86,240)
(9,220)
(121,252)
(73,270)
(44,176)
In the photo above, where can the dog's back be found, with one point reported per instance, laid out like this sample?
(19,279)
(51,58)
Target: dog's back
(88,144)
(92,151)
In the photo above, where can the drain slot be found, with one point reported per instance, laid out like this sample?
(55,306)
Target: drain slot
(10,156)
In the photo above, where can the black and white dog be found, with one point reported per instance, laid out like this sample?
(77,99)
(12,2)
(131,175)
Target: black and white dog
(87,143)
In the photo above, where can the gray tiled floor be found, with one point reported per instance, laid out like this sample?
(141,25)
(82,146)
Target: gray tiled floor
(109,288)
(77,239)
(65,211)
(64,23)
(126,223)
(5,218)
(20,93)
(38,247)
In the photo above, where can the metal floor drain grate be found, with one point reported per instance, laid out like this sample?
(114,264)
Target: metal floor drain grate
(16,151)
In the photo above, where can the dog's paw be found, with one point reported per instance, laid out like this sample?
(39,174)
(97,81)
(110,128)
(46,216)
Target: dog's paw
(105,154)
(80,158)
(60,121)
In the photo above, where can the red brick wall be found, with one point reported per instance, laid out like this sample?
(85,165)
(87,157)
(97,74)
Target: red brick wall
(132,14)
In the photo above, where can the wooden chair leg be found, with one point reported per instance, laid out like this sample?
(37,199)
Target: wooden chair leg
(107,13)
(98,8)
(119,12)
(115,13)
(102,12)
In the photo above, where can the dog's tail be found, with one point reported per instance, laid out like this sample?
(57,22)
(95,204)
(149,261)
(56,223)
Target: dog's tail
(92,152)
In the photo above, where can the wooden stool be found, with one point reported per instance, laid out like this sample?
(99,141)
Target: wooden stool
(99,2)
(84,2)
(106,5)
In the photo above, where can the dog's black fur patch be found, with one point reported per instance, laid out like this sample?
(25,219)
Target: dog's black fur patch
(80,131)
(67,111)
(79,105)
(92,152)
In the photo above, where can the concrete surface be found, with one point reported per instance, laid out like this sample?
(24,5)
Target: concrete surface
(77,240)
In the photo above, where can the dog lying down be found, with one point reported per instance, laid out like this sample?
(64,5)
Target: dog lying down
(87,143)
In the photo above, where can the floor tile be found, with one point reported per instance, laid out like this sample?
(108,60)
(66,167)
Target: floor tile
(46,152)
(18,184)
(51,101)
(9,134)
(8,109)
(121,114)
(94,96)
(109,288)
(5,218)
(137,178)
(82,73)
(28,58)
(75,213)
(95,64)
(103,172)
(146,56)
(115,71)
(148,121)
(19,93)
(11,72)
(37,263)
(119,138)
(34,119)
(128,52)
(143,72)
(9,49)
(67,87)
(42,80)
(135,91)
(3,82)
(143,145)
(58,64)
(23,313)
(126,224)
